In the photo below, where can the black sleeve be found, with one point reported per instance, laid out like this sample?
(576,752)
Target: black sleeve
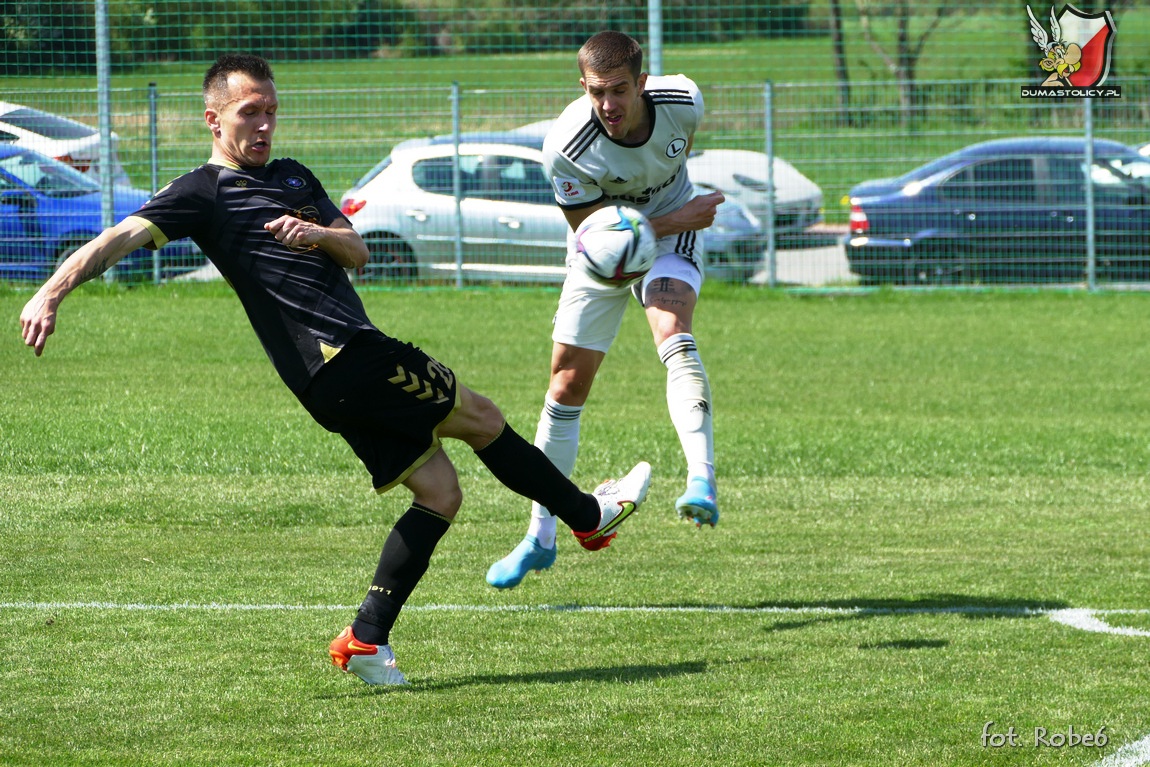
(181,209)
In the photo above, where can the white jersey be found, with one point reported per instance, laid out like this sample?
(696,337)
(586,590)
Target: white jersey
(586,166)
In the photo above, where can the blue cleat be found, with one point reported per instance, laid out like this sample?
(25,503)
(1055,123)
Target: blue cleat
(698,504)
(510,571)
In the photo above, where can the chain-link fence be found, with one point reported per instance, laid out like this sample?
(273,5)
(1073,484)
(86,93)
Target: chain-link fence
(810,99)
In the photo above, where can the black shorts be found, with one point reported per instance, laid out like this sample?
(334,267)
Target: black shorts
(387,399)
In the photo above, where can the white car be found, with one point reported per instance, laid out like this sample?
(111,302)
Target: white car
(64,139)
(509,226)
(742,174)
(737,173)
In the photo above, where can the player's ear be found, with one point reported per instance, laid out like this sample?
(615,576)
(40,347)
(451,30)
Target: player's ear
(212,118)
(641,83)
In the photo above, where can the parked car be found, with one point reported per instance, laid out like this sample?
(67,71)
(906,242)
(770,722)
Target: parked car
(1005,210)
(67,140)
(1144,149)
(740,174)
(512,228)
(48,209)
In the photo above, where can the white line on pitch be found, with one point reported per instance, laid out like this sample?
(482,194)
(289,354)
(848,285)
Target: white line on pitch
(1088,620)
(1131,755)
(1078,618)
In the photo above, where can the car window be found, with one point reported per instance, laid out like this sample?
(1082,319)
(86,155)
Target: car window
(434,175)
(513,179)
(1135,168)
(1115,181)
(1004,180)
(52,126)
(1067,179)
(46,175)
(1009,179)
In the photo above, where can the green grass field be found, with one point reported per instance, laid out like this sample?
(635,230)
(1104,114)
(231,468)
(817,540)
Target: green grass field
(916,488)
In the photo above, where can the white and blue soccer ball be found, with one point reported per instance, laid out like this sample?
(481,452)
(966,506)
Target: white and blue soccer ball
(615,246)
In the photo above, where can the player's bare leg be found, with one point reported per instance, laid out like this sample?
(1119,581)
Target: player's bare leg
(670,306)
(573,370)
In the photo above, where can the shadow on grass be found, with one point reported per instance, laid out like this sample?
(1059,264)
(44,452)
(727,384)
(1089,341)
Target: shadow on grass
(971,608)
(628,674)
(906,644)
(609,674)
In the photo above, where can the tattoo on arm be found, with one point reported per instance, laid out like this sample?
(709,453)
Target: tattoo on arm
(95,269)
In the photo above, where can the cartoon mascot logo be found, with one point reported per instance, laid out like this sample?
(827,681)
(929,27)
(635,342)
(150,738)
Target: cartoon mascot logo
(1076,51)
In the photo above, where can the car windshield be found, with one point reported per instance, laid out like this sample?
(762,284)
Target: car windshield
(52,126)
(375,171)
(1137,168)
(946,162)
(46,175)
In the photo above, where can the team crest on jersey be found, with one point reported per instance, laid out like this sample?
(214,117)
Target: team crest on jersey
(676,147)
(295,182)
(309,213)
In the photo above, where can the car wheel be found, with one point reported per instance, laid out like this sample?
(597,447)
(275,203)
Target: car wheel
(931,266)
(389,260)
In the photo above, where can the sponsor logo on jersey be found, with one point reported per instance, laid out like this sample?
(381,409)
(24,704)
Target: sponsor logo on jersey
(295,182)
(645,196)
(569,188)
(676,147)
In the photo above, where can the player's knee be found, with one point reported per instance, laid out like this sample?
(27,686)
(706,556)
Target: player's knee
(445,500)
(570,387)
(485,418)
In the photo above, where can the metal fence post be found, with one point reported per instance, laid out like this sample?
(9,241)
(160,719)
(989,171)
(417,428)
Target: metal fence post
(104,108)
(457,184)
(769,130)
(655,36)
(1091,254)
(154,151)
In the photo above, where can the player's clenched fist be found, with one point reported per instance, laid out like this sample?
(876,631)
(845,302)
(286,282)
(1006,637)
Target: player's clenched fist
(296,233)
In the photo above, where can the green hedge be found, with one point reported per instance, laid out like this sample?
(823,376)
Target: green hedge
(58,36)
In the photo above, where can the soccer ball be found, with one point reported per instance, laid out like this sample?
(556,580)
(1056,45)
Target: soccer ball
(615,246)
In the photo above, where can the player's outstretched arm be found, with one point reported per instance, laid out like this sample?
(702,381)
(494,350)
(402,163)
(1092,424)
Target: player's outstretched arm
(697,213)
(38,319)
(340,241)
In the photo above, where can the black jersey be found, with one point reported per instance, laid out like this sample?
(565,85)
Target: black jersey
(300,303)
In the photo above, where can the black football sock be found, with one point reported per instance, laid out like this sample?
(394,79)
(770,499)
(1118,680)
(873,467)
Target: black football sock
(524,469)
(405,557)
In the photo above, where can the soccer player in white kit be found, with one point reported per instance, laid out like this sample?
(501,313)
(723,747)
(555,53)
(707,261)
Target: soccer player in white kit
(626,142)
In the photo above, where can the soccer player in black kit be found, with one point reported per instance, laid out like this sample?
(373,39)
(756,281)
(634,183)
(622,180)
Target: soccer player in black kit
(283,245)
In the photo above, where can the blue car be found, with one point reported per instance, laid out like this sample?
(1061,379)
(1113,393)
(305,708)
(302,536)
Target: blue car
(49,209)
(1008,210)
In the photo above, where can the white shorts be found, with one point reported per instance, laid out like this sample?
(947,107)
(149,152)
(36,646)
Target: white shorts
(590,314)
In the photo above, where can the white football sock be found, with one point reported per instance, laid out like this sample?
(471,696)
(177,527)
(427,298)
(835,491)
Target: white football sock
(558,437)
(689,403)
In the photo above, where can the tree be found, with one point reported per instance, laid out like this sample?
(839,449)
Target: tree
(846,117)
(906,50)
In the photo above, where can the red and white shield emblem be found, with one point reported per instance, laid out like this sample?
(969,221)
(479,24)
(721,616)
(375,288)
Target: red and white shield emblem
(1094,34)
